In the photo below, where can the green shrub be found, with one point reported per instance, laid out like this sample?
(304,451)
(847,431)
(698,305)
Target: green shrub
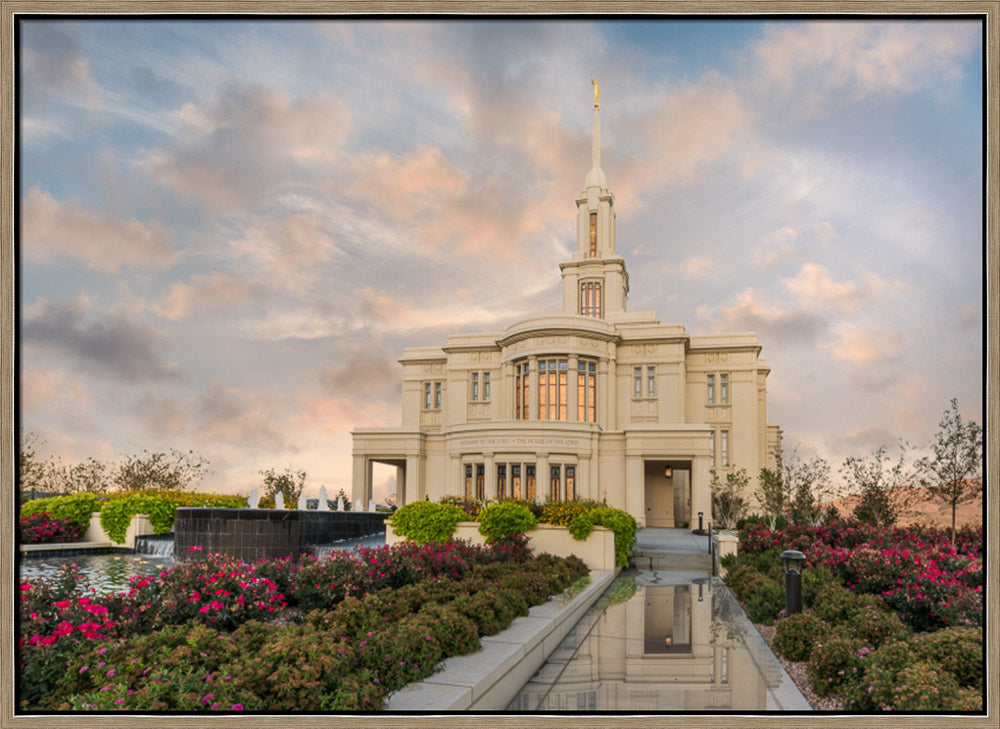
(77,508)
(814,579)
(959,650)
(562,513)
(620,522)
(797,634)
(425,522)
(742,579)
(767,562)
(505,519)
(833,603)
(875,626)
(924,686)
(834,663)
(779,522)
(765,601)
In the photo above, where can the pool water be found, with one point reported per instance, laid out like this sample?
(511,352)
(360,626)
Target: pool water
(662,642)
(111,572)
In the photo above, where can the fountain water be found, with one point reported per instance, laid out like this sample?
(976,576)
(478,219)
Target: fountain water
(253,500)
(357,505)
(323,505)
(279,500)
(302,502)
(371,504)
(340,503)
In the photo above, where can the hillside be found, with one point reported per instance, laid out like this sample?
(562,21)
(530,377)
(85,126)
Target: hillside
(922,509)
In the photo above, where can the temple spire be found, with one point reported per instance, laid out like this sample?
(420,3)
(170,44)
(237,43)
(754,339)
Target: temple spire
(596,176)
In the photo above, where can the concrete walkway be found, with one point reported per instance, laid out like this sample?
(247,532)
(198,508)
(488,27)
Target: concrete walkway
(658,548)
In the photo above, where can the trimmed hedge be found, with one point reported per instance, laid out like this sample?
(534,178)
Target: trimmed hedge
(425,522)
(76,507)
(505,519)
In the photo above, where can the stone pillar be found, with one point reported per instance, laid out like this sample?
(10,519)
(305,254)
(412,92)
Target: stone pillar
(533,388)
(583,478)
(572,399)
(611,421)
(359,482)
(542,477)
(456,478)
(402,487)
(701,489)
(635,489)
(490,484)
(415,488)
(506,390)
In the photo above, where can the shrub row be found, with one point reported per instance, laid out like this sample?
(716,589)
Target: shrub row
(117,510)
(277,635)
(42,528)
(426,522)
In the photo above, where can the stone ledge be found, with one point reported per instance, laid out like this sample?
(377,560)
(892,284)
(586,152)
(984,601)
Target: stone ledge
(490,678)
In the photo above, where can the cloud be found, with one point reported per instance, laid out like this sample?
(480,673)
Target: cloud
(814,286)
(236,150)
(239,418)
(821,63)
(694,267)
(405,185)
(50,229)
(114,347)
(205,291)
(52,59)
(776,247)
(40,388)
(368,373)
(970,318)
(865,347)
(772,323)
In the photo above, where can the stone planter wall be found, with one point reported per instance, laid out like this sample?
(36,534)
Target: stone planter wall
(95,534)
(597,550)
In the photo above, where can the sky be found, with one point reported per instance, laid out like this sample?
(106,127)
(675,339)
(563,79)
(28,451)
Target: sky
(231,229)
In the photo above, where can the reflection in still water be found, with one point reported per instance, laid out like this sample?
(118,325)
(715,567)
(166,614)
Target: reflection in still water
(662,647)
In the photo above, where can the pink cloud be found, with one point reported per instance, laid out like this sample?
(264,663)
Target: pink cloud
(51,229)
(864,347)
(205,291)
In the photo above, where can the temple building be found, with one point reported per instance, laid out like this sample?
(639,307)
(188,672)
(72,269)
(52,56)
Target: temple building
(590,402)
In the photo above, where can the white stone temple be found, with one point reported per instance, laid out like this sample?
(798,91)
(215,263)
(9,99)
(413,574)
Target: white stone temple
(591,401)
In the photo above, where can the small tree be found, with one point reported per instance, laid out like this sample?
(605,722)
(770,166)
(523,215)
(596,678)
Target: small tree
(951,474)
(289,484)
(879,480)
(31,470)
(174,471)
(728,502)
(807,485)
(89,477)
(771,492)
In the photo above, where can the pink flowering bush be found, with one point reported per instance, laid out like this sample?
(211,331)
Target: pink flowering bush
(43,528)
(215,634)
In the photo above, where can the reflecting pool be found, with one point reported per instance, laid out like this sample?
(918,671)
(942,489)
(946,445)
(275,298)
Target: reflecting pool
(662,642)
(111,572)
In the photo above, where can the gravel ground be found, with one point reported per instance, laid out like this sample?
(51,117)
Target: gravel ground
(799,674)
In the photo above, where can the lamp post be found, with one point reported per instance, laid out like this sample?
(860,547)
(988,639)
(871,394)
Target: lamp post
(792,560)
(700,525)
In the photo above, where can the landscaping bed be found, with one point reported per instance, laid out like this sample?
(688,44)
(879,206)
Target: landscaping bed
(214,634)
(892,618)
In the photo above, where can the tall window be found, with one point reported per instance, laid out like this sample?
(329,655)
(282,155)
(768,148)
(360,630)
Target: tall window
(515,480)
(637,382)
(724,388)
(650,382)
(590,298)
(521,390)
(502,481)
(469,494)
(570,483)
(555,483)
(724,447)
(529,479)
(480,390)
(552,381)
(480,481)
(711,389)
(432,396)
(586,392)
(593,235)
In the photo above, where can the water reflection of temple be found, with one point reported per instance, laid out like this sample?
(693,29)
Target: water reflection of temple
(668,648)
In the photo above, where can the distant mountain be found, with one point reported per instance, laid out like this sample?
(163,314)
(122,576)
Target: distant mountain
(921,508)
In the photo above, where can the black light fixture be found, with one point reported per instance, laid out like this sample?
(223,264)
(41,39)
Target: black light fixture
(792,561)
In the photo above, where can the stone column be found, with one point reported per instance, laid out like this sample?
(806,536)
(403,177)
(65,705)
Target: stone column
(572,385)
(506,390)
(359,482)
(402,476)
(414,481)
(542,477)
(490,484)
(635,489)
(533,388)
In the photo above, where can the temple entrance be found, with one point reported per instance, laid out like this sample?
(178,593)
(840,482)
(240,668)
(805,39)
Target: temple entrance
(659,484)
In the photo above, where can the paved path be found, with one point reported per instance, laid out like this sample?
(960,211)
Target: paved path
(673,541)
